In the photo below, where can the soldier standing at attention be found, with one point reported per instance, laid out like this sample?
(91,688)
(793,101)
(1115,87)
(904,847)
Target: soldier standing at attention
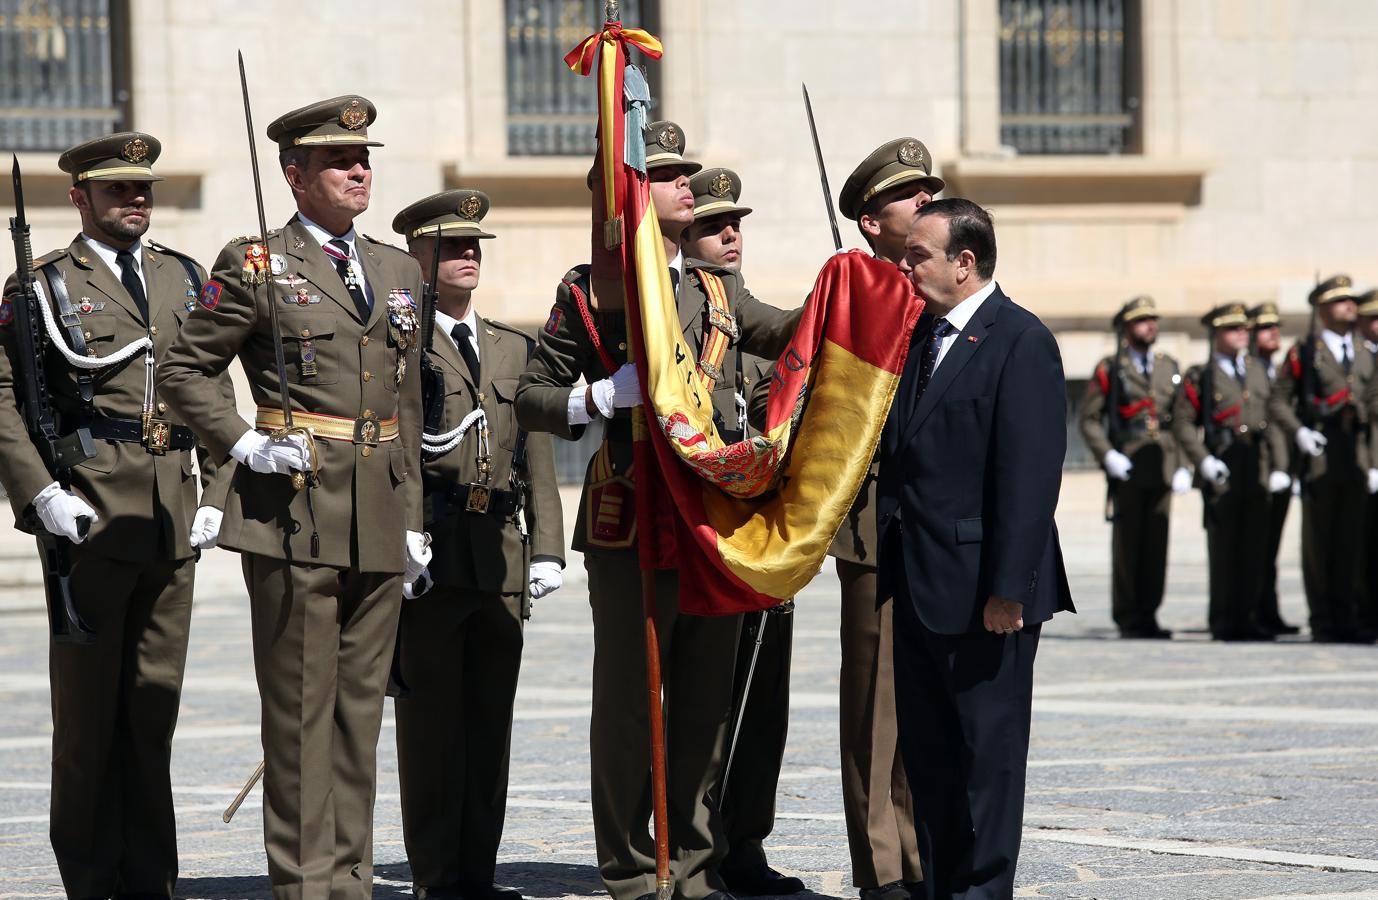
(748,800)
(1221,424)
(1264,322)
(493,512)
(115,699)
(1319,400)
(1126,420)
(881,195)
(324,566)
(582,341)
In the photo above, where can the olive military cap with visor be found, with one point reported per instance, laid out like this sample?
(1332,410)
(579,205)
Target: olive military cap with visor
(337,121)
(455,213)
(891,164)
(125,156)
(716,192)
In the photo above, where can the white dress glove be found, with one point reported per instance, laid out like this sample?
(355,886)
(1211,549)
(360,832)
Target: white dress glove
(205,528)
(1278,482)
(545,578)
(59,510)
(272,457)
(413,589)
(1373,481)
(1181,481)
(621,391)
(1214,471)
(418,555)
(1117,465)
(1310,442)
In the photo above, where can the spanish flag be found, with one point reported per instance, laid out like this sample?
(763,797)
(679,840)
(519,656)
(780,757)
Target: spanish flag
(746,524)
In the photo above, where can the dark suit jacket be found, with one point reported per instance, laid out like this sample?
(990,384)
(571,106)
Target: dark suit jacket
(969,478)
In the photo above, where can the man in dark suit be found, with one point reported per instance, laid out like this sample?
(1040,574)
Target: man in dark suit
(971,464)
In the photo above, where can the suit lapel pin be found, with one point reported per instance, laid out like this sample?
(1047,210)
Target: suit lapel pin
(971,338)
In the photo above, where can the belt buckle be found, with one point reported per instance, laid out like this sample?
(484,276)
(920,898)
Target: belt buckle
(366,431)
(70,320)
(712,371)
(157,435)
(723,321)
(480,496)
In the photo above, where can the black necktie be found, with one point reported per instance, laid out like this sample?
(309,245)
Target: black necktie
(130,279)
(1345,359)
(463,337)
(674,281)
(929,361)
(338,251)
(1240,373)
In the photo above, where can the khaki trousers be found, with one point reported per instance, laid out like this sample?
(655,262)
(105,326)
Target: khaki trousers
(696,656)
(461,653)
(875,792)
(114,709)
(323,642)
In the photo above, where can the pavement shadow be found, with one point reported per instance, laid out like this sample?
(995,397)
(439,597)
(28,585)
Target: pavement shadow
(221,887)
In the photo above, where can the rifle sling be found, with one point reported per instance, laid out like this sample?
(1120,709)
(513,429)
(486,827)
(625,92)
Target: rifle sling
(71,323)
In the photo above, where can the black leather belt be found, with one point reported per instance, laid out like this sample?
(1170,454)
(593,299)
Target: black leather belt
(619,430)
(500,503)
(131,431)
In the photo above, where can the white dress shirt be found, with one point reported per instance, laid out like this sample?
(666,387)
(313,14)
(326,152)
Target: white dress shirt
(959,317)
(355,264)
(1143,361)
(109,254)
(1338,344)
(447,324)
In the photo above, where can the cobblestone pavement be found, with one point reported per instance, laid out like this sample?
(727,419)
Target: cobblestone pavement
(1158,769)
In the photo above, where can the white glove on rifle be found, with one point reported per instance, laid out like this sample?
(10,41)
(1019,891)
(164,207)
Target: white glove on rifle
(621,391)
(267,456)
(418,555)
(1214,471)
(205,528)
(413,589)
(1117,465)
(1278,482)
(1373,481)
(59,510)
(544,578)
(1181,481)
(1310,442)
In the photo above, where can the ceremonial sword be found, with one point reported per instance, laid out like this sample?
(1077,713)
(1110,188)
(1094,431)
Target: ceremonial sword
(822,172)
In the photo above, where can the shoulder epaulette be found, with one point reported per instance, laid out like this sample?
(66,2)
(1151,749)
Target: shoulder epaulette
(163,248)
(505,327)
(578,272)
(51,256)
(373,240)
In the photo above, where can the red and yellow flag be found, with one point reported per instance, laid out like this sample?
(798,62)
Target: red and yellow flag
(746,524)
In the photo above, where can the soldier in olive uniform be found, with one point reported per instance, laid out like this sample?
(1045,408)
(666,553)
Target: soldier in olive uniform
(697,652)
(324,566)
(1221,424)
(748,800)
(1126,419)
(493,511)
(114,701)
(1318,400)
(881,195)
(1368,597)
(1264,324)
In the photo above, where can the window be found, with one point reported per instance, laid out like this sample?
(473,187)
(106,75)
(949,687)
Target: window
(1069,76)
(551,111)
(60,72)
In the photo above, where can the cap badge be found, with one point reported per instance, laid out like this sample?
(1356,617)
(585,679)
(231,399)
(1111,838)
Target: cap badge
(1342,281)
(353,116)
(720,185)
(669,139)
(469,207)
(136,151)
(911,153)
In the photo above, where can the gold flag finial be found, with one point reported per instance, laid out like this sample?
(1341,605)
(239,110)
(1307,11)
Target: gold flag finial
(610,11)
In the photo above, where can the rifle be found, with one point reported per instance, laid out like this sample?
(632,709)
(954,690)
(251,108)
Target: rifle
(58,454)
(432,379)
(1215,438)
(1305,398)
(1113,425)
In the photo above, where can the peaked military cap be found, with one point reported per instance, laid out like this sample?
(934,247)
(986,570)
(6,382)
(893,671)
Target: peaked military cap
(456,213)
(339,120)
(893,163)
(1227,315)
(1334,288)
(125,156)
(716,192)
(1264,315)
(1141,307)
(665,147)
(1368,303)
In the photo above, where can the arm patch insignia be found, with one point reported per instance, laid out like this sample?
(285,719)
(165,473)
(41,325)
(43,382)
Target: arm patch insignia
(210,294)
(552,324)
(6,311)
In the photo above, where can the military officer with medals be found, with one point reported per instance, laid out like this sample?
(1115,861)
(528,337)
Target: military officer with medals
(493,511)
(324,557)
(1126,420)
(1319,401)
(761,689)
(1221,424)
(881,195)
(118,302)
(582,340)
(1266,338)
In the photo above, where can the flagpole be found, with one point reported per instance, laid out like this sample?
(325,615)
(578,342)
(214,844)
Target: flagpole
(659,811)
